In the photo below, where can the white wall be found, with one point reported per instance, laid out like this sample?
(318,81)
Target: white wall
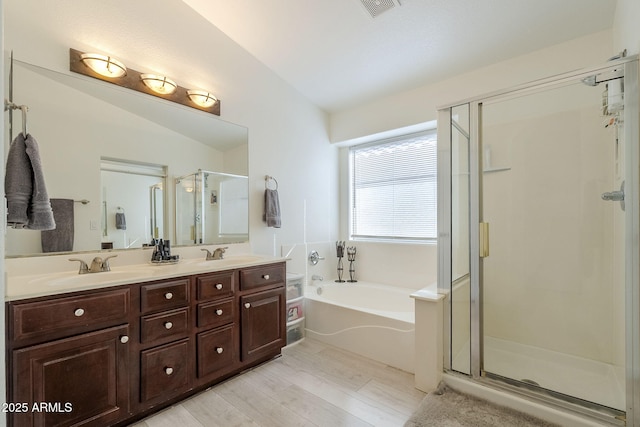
(287,134)
(419,105)
(3,214)
(626,31)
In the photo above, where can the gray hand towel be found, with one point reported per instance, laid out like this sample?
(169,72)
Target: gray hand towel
(121,221)
(271,208)
(60,239)
(18,183)
(39,213)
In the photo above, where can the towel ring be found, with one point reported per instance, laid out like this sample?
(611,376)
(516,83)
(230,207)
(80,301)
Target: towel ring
(120,209)
(267,180)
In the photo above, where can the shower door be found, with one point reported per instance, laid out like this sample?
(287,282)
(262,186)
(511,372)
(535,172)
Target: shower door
(552,251)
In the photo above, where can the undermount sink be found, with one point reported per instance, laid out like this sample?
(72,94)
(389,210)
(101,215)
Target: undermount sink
(226,261)
(74,279)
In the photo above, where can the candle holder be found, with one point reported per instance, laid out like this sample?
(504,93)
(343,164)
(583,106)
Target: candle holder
(340,253)
(351,256)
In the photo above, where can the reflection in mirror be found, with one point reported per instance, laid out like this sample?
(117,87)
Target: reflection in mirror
(211,207)
(78,121)
(131,218)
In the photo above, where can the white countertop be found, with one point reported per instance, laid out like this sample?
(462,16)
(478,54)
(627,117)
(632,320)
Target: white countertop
(22,286)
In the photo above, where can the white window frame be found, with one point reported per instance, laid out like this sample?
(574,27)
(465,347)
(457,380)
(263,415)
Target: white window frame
(431,134)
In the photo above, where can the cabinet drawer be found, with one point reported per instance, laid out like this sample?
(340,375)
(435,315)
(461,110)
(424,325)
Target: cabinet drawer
(69,314)
(216,350)
(216,285)
(160,296)
(262,275)
(165,325)
(164,370)
(216,313)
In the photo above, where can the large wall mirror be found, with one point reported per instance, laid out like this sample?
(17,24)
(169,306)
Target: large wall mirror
(82,124)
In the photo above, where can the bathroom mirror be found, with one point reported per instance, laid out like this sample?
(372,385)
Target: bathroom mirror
(78,121)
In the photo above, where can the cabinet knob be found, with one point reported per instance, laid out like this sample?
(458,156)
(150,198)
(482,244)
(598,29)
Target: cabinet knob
(79,312)
(265,276)
(124,339)
(168,325)
(168,370)
(247,305)
(168,295)
(219,312)
(219,286)
(219,350)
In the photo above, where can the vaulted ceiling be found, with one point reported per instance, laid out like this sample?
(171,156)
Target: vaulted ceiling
(337,54)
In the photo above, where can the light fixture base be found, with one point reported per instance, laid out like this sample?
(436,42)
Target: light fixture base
(132,80)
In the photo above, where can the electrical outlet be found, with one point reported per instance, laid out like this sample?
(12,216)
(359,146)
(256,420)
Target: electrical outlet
(93,224)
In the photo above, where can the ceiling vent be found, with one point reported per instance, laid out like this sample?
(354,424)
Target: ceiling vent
(376,7)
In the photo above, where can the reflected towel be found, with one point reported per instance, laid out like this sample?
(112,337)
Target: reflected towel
(271,208)
(28,204)
(60,239)
(121,221)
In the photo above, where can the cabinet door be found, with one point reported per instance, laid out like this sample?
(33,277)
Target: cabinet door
(74,381)
(262,324)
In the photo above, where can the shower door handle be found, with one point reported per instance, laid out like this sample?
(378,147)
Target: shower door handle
(615,196)
(484,239)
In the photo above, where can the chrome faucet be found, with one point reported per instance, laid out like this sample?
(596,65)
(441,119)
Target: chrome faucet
(218,253)
(98,265)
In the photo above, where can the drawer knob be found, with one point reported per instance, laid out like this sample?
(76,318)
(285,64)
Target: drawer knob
(124,339)
(168,295)
(219,312)
(219,350)
(219,286)
(168,325)
(265,276)
(247,305)
(168,370)
(79,312)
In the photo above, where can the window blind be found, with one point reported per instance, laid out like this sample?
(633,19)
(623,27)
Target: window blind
(394,188)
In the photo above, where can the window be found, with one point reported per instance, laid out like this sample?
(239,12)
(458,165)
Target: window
(394,189)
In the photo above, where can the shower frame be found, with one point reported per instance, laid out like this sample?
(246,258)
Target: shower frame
(632,240)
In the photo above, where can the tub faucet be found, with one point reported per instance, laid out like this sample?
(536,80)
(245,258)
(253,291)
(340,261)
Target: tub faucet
(218,253)
(317,277)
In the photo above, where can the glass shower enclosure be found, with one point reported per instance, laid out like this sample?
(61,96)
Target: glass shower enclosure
(538,218)
(211,207)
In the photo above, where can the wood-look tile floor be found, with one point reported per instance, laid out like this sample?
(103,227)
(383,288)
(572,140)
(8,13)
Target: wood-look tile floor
(312,384)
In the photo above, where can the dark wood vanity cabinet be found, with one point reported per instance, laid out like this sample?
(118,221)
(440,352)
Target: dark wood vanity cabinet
(68,359)
(108,357)
(263,311)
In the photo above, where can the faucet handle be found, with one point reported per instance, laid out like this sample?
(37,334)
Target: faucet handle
(84,268)
(209,254)
(105,263)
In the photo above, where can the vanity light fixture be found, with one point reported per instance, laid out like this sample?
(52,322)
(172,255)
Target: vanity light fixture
(159,84)
(105,68)
(201,97)
(104,65)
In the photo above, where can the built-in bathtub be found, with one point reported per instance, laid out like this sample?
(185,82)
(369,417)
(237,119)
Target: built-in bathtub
(373,320)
